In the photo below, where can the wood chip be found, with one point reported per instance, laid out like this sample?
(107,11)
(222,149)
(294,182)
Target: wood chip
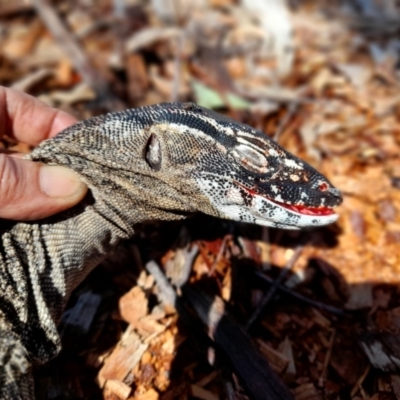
(123,359)
(149,395)
(307,391)
(278,361)
(286,349)
(202,393)
(133,305)
(118,388)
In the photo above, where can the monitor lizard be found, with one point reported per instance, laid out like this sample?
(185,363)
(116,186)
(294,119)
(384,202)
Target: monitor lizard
(160,162)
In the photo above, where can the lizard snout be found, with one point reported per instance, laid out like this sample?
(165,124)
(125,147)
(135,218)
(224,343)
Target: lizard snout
(336,194)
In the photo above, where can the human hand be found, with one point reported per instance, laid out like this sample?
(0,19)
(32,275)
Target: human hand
(30,190)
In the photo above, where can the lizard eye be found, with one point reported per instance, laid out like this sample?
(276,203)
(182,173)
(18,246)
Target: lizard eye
(153,152)
(250,158)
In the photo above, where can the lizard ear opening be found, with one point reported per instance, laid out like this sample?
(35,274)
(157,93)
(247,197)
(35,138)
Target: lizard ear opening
(153,152)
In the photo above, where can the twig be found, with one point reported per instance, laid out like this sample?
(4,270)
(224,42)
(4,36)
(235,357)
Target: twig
(278,95)
(289,266)
(167,293)
(266,265)
(31,79)
(7,10)
(186,269)
(247,361)
(327,359)
(89,74)
(119,27)
(357,387)
(177,67)
(285,120)
(317,304)
(255,372)
(220,254)
(148,36)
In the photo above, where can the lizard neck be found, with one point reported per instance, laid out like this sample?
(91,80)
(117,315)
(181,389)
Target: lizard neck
(95,227)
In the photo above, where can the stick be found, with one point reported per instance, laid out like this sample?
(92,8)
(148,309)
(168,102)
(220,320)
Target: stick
(289,266)
(317,304)
(74,52)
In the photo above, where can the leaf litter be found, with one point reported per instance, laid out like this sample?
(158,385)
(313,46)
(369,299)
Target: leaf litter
(324,81)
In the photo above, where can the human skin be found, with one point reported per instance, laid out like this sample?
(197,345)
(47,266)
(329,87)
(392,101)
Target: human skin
(30,190)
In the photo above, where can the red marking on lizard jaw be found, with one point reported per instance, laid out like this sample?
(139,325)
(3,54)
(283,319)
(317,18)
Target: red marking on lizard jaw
(301,209)
(298,208)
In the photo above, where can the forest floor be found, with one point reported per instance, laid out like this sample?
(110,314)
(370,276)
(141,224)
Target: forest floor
(323,81)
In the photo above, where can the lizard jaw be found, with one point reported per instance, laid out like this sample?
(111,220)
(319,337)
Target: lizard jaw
(320,212)
(269,212)
(265,212)
(297,208)
(232,200)
(301,209)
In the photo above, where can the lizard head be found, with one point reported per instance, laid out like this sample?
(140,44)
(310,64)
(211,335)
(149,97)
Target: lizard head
(171,159)
(243,174)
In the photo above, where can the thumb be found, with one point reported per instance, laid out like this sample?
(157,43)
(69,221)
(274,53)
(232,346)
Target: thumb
(29,190)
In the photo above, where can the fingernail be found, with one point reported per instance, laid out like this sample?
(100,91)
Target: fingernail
(59,182)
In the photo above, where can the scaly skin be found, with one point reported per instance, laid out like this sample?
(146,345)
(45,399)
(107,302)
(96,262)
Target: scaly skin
(159,162)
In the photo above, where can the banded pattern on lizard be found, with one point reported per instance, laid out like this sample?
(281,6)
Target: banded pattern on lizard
(163,162)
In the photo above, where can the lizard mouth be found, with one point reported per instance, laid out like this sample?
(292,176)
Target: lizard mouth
(297,208)
(304,210)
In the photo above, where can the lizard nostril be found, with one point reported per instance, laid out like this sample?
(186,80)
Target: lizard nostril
(337,194)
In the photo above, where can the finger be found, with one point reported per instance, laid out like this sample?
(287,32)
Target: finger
(29,120)
(12,153)
(29,190)
(15,154)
